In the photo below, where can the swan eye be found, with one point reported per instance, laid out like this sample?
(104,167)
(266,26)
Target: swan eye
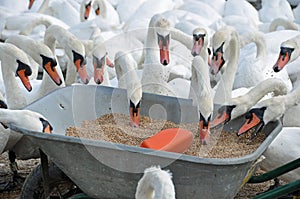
(22,66)
(218,50)
(46,60)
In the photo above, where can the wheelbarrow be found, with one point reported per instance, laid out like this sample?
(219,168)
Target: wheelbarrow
(104,170)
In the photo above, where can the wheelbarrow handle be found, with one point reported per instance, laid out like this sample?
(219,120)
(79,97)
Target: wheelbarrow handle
(280,191)
(276,172)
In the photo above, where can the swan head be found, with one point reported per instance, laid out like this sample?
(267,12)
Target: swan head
(26,119)
(254,120)
(204,129)
(80,62)
(49,65)
(287,54)
(99,67)
(199,40)
(162,30)
(222,45)
(134,112)
(86,7)
(23,72)
(223,116)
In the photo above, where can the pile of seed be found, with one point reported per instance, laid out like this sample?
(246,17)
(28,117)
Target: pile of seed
(115,128)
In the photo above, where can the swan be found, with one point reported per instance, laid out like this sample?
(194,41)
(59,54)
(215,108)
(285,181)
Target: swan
(155,75)
(242,8)
(102,9)
(288,55)
(226,51)
(14,62)
(198,46)
(155,183)
(241,104)
(139,21)
(289,52)
(74,49)
(66,11)
(256,67)
(28,24)
(202,96)
(25,119)
(270,110)
(42,55)
(285,23)
(275,9)
(129,80)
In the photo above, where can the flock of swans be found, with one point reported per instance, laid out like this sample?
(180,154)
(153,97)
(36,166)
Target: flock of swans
(213,52)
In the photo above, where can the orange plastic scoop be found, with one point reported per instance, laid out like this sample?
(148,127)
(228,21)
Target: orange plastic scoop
(172,140)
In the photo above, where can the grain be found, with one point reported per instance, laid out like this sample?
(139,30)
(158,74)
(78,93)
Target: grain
(115,128)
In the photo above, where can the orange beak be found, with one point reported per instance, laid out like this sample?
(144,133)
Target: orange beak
(109,63)
(221,118)
(252,121)
(163,43)
(24,79)
(135,115)
(216,63)
(98,75)
(224,116)
(204,130)
(30,4)
(198,45)
(282,60)
(87,11)
(53,73)
(97,11)
(82,71)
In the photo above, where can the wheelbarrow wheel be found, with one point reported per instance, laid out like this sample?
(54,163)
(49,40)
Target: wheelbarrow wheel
(60,186)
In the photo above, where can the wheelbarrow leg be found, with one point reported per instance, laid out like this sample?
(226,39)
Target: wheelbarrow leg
(45,169)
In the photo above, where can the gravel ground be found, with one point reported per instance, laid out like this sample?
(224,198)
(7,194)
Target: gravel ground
(248,191)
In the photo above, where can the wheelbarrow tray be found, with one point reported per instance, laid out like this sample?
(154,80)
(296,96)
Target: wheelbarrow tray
(108,170)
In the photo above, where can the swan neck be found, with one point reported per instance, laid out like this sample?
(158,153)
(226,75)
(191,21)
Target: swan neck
(44,6)
(27,30)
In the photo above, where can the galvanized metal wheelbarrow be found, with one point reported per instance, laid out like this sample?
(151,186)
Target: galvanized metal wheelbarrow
(105,170)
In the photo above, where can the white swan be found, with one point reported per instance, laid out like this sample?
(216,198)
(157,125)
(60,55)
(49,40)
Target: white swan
(25,119)
(202,96)
(129,80)
(270,110)
(275,9)
(155,183)
(241,104)
(66,11)
(289,52)
(42,55)
(74,50)
(155,75)
(102,9)
(14,62)
(226,51)
(255,64)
